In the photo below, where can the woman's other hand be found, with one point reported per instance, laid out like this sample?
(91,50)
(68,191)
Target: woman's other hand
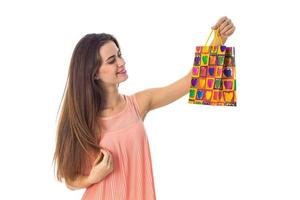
(101,168)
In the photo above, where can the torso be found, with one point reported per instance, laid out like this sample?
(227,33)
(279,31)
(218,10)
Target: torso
(111,112)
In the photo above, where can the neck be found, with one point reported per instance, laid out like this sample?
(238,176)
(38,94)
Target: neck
(113,98)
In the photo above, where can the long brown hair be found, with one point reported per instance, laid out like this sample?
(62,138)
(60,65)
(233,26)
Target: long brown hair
(84,97)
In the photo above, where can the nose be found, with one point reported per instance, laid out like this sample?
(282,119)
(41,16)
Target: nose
(120,62)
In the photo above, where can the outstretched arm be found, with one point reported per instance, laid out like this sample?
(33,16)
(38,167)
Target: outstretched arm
(157,97)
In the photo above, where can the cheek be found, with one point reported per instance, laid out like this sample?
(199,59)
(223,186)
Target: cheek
(107,73)
(107,70)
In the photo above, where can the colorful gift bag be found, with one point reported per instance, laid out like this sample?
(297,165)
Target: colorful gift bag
(213,80)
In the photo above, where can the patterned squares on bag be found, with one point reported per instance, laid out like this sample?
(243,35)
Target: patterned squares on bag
(195,72)
(204,59)
(213,76)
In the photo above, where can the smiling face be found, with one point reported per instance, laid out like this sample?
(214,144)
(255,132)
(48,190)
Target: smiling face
(112,71)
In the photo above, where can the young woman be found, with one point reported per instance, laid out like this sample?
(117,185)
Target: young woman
(101,141)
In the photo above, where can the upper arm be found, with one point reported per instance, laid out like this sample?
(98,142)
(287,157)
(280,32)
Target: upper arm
(157,97)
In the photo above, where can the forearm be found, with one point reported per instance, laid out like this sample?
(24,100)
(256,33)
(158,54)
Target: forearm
(186,84)
(178,89)
(79,183)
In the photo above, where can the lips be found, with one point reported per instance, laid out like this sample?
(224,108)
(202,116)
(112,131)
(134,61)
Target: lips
(122,71)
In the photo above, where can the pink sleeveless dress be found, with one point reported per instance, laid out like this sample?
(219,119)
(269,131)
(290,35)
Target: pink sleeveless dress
(125,137)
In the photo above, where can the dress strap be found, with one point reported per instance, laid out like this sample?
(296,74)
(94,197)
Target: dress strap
(135,105)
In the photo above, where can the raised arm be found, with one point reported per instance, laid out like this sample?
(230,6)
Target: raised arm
(157,97)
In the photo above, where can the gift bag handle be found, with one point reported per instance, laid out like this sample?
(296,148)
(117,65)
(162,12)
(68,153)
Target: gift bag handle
(217,37)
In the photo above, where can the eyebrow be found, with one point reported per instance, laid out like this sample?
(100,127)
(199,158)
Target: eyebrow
(112,55)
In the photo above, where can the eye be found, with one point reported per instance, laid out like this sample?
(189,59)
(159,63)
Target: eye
(112,62)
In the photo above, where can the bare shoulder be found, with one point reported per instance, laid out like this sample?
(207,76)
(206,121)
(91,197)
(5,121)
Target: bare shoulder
(143,99)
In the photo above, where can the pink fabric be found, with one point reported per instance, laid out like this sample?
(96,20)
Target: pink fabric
(125,137)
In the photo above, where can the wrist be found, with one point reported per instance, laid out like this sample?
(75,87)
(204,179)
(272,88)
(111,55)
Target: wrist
(89,181)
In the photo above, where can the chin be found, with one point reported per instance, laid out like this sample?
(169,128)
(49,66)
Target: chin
(123,78)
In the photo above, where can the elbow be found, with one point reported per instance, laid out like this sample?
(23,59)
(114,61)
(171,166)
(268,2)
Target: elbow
(70,187)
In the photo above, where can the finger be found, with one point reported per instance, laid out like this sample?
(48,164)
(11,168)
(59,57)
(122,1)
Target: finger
(111,164)
(226,28)
(98,159)
(224,24)
(108,159)
(105,157)
(101,157)
(230,31)
(104,151)
(109,153)
(220,21)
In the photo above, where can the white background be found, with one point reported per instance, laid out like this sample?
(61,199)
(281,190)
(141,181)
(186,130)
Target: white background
(198,152)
